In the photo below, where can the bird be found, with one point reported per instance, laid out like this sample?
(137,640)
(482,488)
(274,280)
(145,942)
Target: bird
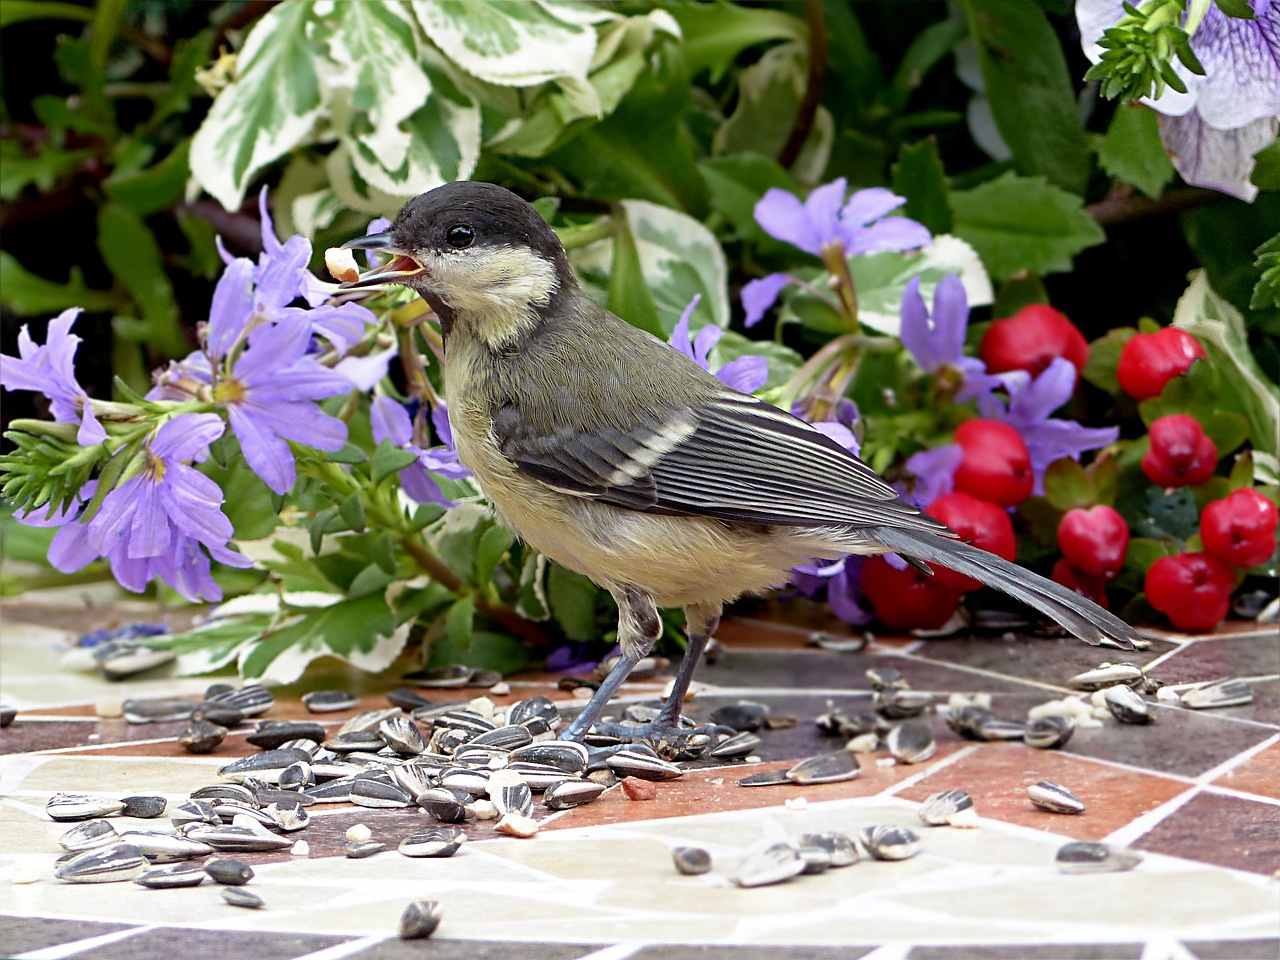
(620,458)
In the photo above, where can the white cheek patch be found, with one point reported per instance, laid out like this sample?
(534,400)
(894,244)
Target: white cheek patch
(493,289)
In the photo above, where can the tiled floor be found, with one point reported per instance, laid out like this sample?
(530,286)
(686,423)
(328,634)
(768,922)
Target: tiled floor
(1198,793)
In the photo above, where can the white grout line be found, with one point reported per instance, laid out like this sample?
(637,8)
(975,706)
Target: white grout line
(619,951)
(1232,762)
(929,771)
(79,946)
(340,950)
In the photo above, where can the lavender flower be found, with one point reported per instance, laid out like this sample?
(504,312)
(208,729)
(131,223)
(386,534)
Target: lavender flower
(843,580)
(935,471)
(49,369)
(827,226)
(937,341)
(840,427)
(1212,131)
(747,374)
(1028,410)
(70,549)
(390,421)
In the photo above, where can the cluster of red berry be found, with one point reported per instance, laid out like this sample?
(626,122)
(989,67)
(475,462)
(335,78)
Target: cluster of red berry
(1192,588)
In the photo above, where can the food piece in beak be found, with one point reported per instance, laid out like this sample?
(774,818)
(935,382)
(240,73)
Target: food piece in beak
(398,269)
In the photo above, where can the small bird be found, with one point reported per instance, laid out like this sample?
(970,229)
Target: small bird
(622,459)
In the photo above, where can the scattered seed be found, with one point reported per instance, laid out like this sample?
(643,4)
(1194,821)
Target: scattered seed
(88,835)
(1049,732)
(238,897)
(840,849)
(232,873)
(201,736)
(359,849)
(419,919)
(1085,857)
(890,842)
(329,701)
(773,864)
(172,875)
(949,808)
(912,742)
(109,864)
(825,768)
(68,807)
(1054,797)
(691,861)
(1219,693)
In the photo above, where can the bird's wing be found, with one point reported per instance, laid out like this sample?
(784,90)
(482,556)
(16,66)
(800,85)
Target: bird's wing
(730,457)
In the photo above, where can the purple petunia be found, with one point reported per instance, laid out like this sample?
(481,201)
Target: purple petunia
(1028,410)
(49,369)
(746,374)
(390,421)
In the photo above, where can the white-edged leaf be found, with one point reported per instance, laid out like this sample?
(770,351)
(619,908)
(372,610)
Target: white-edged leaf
(509,42)
(270,108)
(679,258)
(1220,327)
(376,43)
(881,278)
(769,93)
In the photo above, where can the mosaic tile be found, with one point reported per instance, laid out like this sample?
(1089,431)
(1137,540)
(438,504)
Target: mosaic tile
(708,951)
(1050,661)
(440,948)
(1027,951)
(23,934)
(1247,656)
(1259,774)
(1222,830)
(1235,949)
(186,942)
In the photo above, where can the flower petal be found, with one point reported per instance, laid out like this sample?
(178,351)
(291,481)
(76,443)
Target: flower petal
(950,318)
(868,205)
(267,455)
(1218,159)
(390,421)
(782,216)
(747,374)
(231,308)
(759,295)
(914,330)
(891,233)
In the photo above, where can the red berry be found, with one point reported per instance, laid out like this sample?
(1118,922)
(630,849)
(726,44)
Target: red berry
(1181,455)
(906,599)
(996,465)
(1240,528)
(1032,339)
(1150,360)
(1088,586)
(1192,589)
(1094,541)
(979,522)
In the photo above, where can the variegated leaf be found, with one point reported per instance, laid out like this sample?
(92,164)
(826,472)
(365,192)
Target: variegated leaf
(679,257)
(270,108)
(881,278)
(510,42)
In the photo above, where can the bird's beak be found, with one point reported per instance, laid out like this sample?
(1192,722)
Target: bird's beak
(398,269)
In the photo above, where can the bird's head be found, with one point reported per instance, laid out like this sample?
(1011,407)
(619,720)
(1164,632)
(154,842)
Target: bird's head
(475,252)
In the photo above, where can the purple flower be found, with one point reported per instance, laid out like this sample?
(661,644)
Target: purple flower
(824,224)
(1212,131)
(575,658)
(156,523)
(843,580)
(746,374)
(50,369)
(840,427)
(390,421)
(937,341)
(1028,410)
(70,549)
(935,472)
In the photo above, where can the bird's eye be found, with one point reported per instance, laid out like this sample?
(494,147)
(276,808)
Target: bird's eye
(460,236)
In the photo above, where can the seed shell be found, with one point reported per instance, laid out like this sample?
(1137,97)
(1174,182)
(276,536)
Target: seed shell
(825,768)
(1049,732)
(890,842)
(691,861)
(420,919)
(241,898)
(109,864)
(1086,857)
(773,864)
(172,875)
(1054,797)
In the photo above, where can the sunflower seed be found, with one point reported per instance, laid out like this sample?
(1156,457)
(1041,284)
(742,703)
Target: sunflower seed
(119,659)
(1054,797)
(368,792)
(408,700)
(193,811)
(87,836)
(564,794)
(691,861)
(158,709)
(403,736)
(241,898)
(239,839)
(634,763)
(746,716)
(367,722)
(541,707)
(296,776)
(419,919)
(288,816)
(567,756)
(513,798)
(899,704)
(912,742)
(201,736)
(438,843)
(1107,675)
(119,861)
(225,791)
(355,741)
(359,849)
(263,766)
(68,807)
(229,872)
(825,768)
(228,810)
(328,701)
(816,859)
(442,805)
(473,782)
(739,745)
(1126,705)
(250,701)
(7,715)
(886,678)
(773,864)
(144,808)
(173,875)
(165,847)
(1049,733)
(975,723)
(840,849)
(767,778)
(273,734)
(951,807)
(1220,693)
(441,678)
(511,737)
(890,842)
(332,791)
(1086,857)
(413,778)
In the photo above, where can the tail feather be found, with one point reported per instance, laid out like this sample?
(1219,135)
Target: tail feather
(1080,616)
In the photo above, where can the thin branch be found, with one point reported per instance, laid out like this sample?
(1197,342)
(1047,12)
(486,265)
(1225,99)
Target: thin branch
(813,84)
(1120,208)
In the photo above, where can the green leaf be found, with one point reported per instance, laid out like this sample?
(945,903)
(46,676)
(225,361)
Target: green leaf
(1104,357)
(43,170)
(1195,393)
(929,46)
(1014,294)
(1168,513)
(494,544)
(27,294)
(389,460)
(189,55)
(918,176)
(1067,485)
(352,512)
(573,602)
(16,11)
(1144,551)
(154,189)
(1266,292)
(737,183)
(881,279)
(251,505)
(106,23)
(320,526)
(1132,152)
(271,107)
(383,553)
(130,251)
(679,258)
(1105,474)
(349,453)
(1239,9)
(460,622)
(769,95)
(629,293)
(1042,519)
(1030,91)
(1227,430)
(487,651)
(1023,223)
(715,33)
(1241,471)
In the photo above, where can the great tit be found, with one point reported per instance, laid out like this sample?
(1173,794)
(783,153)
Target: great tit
(620,458)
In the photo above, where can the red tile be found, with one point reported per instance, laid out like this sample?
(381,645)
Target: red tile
(997,776)
(1259,774)
(1226,831)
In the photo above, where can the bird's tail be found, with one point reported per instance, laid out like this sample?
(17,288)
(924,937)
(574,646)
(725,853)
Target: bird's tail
(1080,616)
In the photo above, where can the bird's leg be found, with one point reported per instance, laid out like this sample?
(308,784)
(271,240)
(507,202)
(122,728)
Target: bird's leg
(701,620)
(639,628)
